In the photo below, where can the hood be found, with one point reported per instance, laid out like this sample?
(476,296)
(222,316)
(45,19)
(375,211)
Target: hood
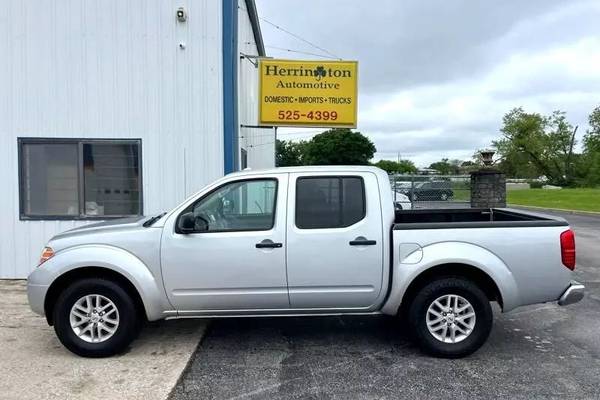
(103,227)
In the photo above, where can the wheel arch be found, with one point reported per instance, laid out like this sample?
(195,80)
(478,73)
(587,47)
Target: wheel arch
(64,280)
(460,270)
(107,262)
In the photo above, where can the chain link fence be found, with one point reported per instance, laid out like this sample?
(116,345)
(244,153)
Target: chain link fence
(431,191)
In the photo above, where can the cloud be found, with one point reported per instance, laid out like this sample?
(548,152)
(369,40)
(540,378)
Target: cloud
(437,77)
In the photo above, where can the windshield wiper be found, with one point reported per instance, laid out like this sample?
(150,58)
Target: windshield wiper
(153,220)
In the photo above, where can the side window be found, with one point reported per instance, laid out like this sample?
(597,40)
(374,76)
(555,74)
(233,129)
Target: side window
(329,202)
(239,206)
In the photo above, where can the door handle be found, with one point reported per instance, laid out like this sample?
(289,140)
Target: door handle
(268,244)
(361,241)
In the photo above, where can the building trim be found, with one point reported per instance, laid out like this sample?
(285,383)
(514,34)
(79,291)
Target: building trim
(230,86)
(255,22)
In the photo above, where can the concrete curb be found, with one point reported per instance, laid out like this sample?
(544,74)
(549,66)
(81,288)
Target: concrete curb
(180,381)
(557,209)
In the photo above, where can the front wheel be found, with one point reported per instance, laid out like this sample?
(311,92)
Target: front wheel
(96,318)
(451,317)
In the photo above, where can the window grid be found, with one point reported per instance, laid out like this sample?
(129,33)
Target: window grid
(25,192)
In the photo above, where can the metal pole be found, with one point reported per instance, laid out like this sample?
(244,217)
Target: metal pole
(412,190)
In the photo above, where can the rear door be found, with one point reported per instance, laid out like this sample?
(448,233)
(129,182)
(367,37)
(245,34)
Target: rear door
(334,240)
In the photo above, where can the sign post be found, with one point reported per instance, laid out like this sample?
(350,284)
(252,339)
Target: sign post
(308,93)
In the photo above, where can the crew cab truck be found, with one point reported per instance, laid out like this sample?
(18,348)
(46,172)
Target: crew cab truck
(302,241)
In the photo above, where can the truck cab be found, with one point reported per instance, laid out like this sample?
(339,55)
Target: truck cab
(311,240)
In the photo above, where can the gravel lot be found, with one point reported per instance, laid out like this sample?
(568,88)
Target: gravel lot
(536,352)
(34,365)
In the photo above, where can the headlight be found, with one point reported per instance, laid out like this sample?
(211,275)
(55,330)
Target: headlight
(47,254)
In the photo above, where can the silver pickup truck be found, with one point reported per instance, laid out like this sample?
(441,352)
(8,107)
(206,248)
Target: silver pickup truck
(302,241)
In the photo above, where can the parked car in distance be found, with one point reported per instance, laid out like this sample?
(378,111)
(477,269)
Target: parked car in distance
(431,191)
(302,241)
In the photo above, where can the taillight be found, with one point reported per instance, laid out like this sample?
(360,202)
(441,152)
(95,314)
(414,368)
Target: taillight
(567,249)
(47,254)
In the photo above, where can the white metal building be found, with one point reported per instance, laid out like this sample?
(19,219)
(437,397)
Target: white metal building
(113,108)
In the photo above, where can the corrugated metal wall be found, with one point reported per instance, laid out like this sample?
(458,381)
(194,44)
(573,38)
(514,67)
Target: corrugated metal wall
(110,69)
(259,143)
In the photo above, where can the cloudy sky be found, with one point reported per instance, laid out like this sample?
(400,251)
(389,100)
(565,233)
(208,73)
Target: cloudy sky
(436,77)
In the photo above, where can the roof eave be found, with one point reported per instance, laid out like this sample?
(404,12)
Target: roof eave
(253,14)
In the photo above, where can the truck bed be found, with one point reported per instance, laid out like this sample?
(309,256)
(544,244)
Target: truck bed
(472,218)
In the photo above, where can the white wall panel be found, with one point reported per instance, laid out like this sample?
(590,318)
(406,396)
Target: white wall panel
(110,69)
(259,143)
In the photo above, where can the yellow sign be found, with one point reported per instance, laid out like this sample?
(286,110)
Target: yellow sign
(308,93)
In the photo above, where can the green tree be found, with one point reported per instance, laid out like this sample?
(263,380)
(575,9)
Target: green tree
(591,140)
(542,143)
(588,164)
(518,165)
(397,167)
(288,153)
(447,167)
(338,146)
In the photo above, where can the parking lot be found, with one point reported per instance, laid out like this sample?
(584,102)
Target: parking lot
(543,351)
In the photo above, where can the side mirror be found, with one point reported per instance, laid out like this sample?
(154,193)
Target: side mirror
(188,223)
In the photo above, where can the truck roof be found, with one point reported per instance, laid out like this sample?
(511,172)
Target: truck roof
(311,168)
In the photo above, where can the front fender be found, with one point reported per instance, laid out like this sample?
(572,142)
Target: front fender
(104,256)
(423,258)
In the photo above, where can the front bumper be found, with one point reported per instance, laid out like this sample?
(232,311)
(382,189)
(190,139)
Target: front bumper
(37,288)
(36,295)
(573,294)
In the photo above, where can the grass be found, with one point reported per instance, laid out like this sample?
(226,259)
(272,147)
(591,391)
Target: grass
(567,199)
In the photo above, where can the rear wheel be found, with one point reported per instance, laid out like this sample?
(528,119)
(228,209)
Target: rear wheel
(450,317)
(444,196)
(96,318)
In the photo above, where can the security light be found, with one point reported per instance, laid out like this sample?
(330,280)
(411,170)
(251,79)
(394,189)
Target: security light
(181,14)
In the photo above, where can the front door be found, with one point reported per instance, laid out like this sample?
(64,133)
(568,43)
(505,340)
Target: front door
(236,258)
(335,241)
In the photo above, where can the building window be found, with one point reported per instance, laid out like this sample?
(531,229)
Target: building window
(329,202)
(79,178)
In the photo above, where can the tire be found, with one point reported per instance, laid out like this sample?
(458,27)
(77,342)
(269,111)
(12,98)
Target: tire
(444,196)
(453,289)
(92,290)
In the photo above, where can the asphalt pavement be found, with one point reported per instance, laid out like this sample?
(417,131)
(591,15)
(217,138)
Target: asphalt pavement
(538,352)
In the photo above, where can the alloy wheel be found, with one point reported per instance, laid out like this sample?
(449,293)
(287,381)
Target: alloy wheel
(450,318)
(94,318)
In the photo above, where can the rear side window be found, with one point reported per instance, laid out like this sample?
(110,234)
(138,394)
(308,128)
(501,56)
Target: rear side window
(329,202)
